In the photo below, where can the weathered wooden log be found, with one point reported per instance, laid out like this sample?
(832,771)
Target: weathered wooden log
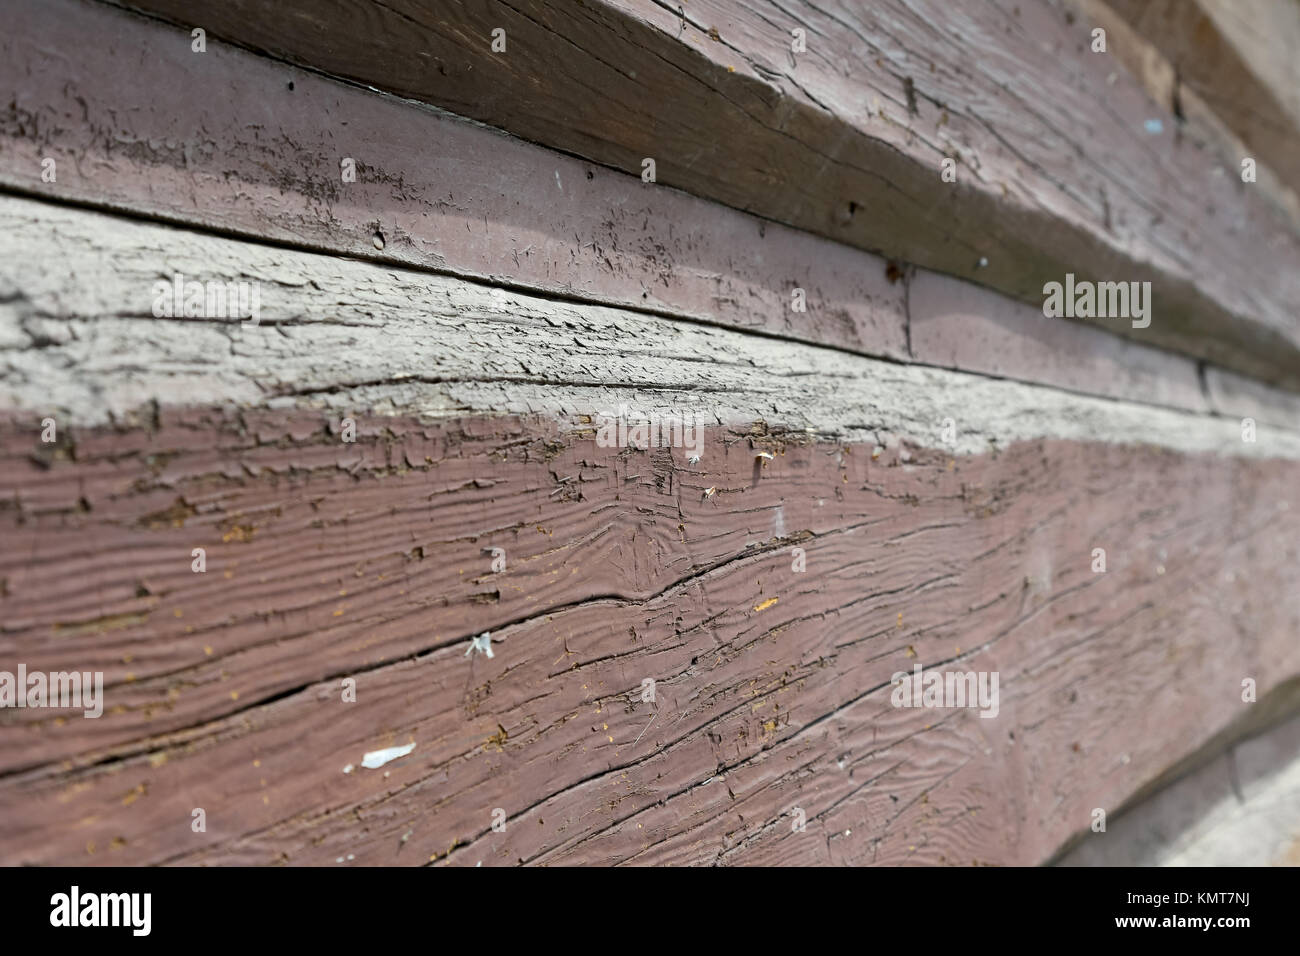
(478,426)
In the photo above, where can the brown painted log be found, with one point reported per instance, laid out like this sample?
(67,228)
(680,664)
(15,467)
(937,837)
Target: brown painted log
(1058,174)
(328,561)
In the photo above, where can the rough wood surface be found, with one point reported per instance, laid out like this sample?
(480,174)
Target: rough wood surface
(1239,57)
(328,560)
(1237,809)
(132,124)
(957,324)
(267,166)
(78,339)
(532,218)
(1214,125)
(1057,171)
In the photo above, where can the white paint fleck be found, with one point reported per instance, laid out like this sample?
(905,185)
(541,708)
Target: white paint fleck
(557,181)
(482,643)
(377,758)
(348,768)
(1154,126)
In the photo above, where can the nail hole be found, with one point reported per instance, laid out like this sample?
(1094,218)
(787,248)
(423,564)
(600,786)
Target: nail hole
(291,86)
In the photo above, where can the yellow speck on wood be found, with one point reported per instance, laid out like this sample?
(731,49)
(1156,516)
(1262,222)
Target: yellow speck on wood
(257,763)
(766,604)
(498,740)
(157,760)
(178,612)
(234,695)
(207,649)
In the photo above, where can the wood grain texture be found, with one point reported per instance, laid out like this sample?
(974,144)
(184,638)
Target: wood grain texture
(475,413)
(328,560)
(1057,171)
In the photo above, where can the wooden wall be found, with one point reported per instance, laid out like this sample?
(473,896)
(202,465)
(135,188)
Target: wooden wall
(917,469)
